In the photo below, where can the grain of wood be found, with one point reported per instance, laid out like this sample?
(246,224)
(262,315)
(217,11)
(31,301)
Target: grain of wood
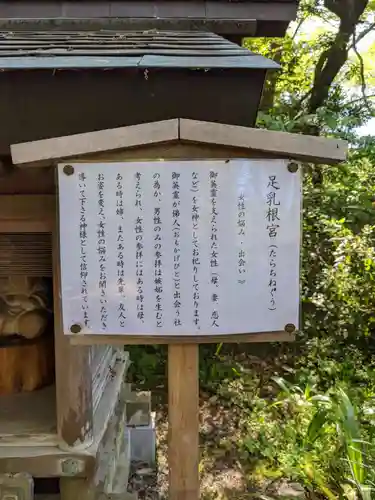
(49,150)
(304,147)
(20,426)
(73,376)
(250,141)
(27,213)
(122,340)
(16,376)
(183,429)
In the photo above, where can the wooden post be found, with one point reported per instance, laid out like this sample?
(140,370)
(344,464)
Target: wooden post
(73,375)
(183,433)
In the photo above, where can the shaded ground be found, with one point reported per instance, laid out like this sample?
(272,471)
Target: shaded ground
(224,472)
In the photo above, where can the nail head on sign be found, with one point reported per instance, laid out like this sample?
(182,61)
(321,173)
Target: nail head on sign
(290,328)
(68,170)
(75,328)
(293,167)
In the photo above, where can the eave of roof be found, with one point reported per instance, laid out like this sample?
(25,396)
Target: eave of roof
(127,49)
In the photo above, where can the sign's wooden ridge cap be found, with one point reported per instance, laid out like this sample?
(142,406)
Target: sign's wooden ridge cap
(282,144)
(46,151)
(285,144)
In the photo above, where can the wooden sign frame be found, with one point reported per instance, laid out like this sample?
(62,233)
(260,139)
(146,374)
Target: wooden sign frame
(171,139)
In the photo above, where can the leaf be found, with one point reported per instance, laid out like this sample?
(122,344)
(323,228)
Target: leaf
(316,426)
(283,384)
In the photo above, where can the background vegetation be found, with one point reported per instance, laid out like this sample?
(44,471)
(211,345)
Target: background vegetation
(303,415)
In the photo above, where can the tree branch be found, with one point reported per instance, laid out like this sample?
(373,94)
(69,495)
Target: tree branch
(362,72)
(333,59)
(363,33)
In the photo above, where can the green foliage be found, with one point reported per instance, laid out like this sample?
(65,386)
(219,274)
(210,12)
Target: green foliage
(338,252)
(308,410)
(320,445)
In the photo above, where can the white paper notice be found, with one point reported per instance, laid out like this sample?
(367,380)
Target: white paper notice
(204,247)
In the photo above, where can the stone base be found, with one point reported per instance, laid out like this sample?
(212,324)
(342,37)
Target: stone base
(143,442)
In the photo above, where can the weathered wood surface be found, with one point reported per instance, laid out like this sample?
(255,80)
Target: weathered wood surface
(183,425)
(36,447)
(28,419)
(73,377)
(45,461)
(109,444)
(271,17)
(26,214)
(103,362)
(20,181)
(47,150)
(25,253)
(282,144)
(248,9)
(71,102)
(26,368)
(122,340)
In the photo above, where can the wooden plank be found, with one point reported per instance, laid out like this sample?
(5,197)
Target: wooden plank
(298,146)
(243,27)
(76,489)
(27,213)
(110,427)
(48,150)
(21,181)
(240,141)
(118,43)
(43,461)
(218,52)
(19,426)
(122,340)
(261,11)
(183,428)
(149,9)
(272,10)
(171,151)
(26,254)
(78,102)
(73,375)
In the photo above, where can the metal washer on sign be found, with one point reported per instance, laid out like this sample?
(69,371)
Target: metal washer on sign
(68,170)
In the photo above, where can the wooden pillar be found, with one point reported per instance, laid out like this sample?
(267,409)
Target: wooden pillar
(73,375)
(77,489)
(183,432)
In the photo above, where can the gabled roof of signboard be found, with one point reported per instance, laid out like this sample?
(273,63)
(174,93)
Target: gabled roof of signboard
(124,49)
(279,144)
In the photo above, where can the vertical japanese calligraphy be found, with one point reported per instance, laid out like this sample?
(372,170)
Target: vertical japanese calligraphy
(139,248)
(180,247)
(102,251)
(214,250)
(196,248)
(121,309)
(158,251)
(83,247)
(176,227)
(273,225)
(241,233)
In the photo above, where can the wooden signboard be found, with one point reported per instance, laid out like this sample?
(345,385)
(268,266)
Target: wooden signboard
(179,252)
